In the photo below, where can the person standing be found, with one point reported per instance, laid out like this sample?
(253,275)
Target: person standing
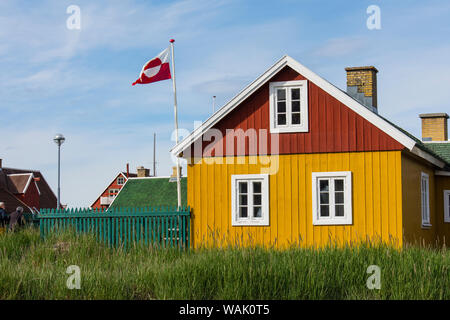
(15,219)
(3,215)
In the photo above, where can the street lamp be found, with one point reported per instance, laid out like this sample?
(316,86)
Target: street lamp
(59,140)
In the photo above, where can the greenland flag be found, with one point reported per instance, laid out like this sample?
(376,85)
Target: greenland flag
(156,69)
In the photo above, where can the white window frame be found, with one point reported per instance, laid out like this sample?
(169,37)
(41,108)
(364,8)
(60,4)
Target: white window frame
(332,219)
(250,221)
(447,206)
(303,126)
(123,179)
(425,199)
(113,194)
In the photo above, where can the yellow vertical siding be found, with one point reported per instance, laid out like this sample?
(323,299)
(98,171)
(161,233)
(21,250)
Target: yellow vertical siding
(376,193)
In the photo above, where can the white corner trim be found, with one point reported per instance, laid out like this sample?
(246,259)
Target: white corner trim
(348,190)
(442,173)
(265,220)
(311,76)
(37,187)
(425,155)
(303,84)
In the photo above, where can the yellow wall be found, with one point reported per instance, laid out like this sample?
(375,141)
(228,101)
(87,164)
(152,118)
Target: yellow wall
(412,215)
(377,199)
(443,228)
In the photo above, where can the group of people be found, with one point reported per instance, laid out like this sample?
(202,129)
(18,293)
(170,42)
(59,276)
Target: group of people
(11,220)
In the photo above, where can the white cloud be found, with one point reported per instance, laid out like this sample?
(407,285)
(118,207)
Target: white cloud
(341,46)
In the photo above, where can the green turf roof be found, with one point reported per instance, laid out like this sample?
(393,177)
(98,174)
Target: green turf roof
(151,192)
(442,149)
(424,146)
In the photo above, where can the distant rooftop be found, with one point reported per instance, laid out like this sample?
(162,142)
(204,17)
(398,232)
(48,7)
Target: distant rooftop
(150,192)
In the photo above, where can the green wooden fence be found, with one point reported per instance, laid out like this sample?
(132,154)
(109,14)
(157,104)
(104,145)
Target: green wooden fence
(165,227)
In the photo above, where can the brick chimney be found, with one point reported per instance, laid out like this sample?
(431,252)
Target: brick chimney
(173,177)
(434,126)
(143,172)
(362,85)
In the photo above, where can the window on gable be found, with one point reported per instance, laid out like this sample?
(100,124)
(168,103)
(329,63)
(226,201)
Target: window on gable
(425,199)
(120,180)
(289,106)
(113,192)
(332,203)
(250,200)
(447,206)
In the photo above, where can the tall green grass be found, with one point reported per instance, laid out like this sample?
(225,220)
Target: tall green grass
(31,268)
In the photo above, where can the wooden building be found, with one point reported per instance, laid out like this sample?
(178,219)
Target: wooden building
(294,160)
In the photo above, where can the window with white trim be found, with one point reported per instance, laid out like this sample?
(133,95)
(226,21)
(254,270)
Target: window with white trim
(113,192)
(250,200)
(332,198)
(288,106)
(120,180)
(425,199)
(447,206)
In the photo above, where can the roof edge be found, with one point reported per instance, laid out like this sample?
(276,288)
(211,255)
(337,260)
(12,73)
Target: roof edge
(332,90)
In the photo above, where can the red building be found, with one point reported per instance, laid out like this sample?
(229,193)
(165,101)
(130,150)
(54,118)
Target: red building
(112,190)
(25,188)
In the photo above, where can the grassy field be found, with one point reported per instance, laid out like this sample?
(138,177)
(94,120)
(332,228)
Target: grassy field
(34,269)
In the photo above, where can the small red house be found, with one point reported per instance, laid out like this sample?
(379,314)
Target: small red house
(112,190)
(25,188)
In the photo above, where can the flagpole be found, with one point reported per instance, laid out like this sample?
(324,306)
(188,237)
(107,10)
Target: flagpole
(176,123)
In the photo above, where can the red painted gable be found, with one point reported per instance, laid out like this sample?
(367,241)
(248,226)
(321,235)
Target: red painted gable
(333,127)
(112,185)
(31,196)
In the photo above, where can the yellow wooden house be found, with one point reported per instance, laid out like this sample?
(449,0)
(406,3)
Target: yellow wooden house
(294,160)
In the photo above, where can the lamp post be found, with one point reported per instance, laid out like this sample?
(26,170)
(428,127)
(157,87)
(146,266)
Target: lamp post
(59,140)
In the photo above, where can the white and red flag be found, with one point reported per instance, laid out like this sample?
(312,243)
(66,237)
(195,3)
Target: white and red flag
(156,69)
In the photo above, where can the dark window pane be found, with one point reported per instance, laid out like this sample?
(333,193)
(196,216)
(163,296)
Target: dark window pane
(243,200)
(324,198)
(323,185)
(281,107)
(256,187)
(282,119)
(296,118)
(243,212)
(295,94)
(295,106)
(257,212)
(339,184)
(242,187)
(339,210)
(257,200)
(281,94)
(339,197)
(324,211)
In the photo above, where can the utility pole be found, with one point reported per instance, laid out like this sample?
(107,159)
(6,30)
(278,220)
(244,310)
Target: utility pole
(154,154)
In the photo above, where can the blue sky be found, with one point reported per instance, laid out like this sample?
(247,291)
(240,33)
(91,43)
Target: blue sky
(78,82)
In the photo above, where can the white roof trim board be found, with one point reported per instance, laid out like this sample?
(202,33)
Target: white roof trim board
(332,90)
